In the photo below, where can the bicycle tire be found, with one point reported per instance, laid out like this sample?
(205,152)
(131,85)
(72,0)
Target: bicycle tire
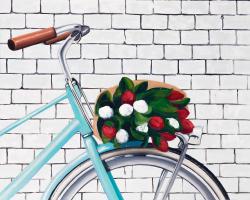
(202,177)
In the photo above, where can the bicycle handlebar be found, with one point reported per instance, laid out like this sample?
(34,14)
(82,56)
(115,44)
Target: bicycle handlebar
(47,36)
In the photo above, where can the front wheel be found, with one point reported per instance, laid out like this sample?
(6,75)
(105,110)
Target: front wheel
(136,172)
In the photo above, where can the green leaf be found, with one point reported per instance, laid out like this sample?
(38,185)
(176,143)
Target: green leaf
(126,84)
(156,139)
(141,87)
(168,127)
(104,99)
(140,118)
(100,123)
(117,96)
(145,142)
(154,94)
(138,135)
(105,139)
(162,106)
(109,123)
(116,143)
(181,103)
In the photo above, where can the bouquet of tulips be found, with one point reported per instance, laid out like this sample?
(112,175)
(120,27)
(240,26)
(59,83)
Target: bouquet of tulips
(135,112)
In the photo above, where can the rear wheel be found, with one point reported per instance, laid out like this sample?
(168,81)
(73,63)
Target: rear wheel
(137,173)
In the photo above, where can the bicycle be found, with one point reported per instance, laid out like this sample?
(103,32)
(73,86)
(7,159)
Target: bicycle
(100,161)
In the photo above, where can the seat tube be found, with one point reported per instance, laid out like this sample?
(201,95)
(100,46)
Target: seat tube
(106,178)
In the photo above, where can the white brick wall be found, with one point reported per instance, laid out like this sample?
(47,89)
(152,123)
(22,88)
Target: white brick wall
(200,46)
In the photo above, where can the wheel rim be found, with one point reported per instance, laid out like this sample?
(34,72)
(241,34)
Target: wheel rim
(67,189)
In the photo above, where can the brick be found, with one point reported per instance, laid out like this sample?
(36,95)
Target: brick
(3,66)
(243,37)
(3,156)
(10,81)
(233,170)
(31,126)
(5,35)
(9,171)
(181,22)
(139,36)
(222,37)
(12,111)
(154,21)
(10,140)
(198,96)
(223,126)
(136,66)
(74,51)
(32,186)
(233,82)
(21,66)
(98,21)
(71,154)
(236,22)
(20,96)
(194,37)
(12,20)
(5,52)
(37,51)
(81,66)
(164,67)
(26,6)
(122,51)
(192,66)
(55,7)
(244,183)
(244,96)
(5,96)
(61,20)
(49,113)
(64,111)
(6,7)
(37,81)
(98,81)
(136,185)
(181,81)
(52,125)
(58,80)
(49,66)
(230,184)
(219,67)
(220,155)
(95,51)
(36,141)
(20,155)
(223,96)
(104,36)
(243,7)
(167,37)
(235,52)
(237,112)
(150,51)
(223,7)
(112,6)
(206,52)
(123,21)
(242,155)
(195,7)
(208,22)
(209,112)
(139,7)
(111,66)
(177,52)
(167,7)
(244,127)
(84,6)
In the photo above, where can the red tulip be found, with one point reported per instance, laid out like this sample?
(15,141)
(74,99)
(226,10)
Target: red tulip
(156,123)
(109,131)
(168,136)
(163,146)
(175,95)
(187,126)
(128,97)
(183,113)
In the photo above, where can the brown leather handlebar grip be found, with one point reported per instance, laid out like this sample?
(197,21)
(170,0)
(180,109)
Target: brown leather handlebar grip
(59,38)
(30,39)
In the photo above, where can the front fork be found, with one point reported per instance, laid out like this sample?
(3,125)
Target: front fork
(107,181)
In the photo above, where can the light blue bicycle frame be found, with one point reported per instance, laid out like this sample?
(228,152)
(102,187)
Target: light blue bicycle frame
(77,125)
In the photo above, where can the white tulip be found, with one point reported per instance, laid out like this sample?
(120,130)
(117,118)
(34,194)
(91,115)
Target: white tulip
(126,110)
(141,106)
(122,136)
(174,123)
(106,112)
(142,128)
